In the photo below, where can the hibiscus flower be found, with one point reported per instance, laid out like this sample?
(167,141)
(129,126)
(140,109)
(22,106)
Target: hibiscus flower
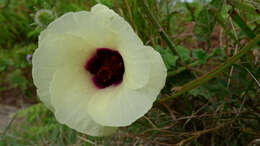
(94,72)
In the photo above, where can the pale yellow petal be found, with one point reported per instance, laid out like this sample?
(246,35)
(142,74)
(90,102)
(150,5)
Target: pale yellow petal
(53,53)
(93,29)
(158,73)
(86,25)
(71,90)
(137,67)
(59,26)
(116,24)
(121,106)
(101,27)
(129,45)
(44,95)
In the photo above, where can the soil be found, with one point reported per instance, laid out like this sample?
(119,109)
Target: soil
(6,114)
(11,100)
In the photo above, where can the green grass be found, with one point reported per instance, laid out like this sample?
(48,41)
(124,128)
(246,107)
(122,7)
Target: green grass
(224,109)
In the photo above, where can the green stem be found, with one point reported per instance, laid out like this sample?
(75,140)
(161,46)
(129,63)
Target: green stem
(203,79)
(157,24)
(189,8)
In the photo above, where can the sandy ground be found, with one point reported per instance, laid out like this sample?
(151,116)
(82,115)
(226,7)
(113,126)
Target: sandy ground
(6,113)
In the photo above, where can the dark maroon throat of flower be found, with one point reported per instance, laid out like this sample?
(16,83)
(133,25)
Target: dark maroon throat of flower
(107,67)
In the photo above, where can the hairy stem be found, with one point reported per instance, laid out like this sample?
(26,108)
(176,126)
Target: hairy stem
(157,24)
(203,79)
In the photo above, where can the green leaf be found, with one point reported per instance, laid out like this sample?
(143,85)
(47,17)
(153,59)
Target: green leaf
(246,7)
(215,88)
(184,53)
(17,79)
(34,33)
(218,88)
(206,20)
(219,52)
(242,24)
(216,5)
(169,59)
(204,25)
(4,63)
(201,91)
(201,55)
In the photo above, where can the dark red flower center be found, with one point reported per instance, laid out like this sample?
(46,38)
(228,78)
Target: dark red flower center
(107,67)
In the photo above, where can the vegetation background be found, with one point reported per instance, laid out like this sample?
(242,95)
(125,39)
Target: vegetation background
(210,48)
